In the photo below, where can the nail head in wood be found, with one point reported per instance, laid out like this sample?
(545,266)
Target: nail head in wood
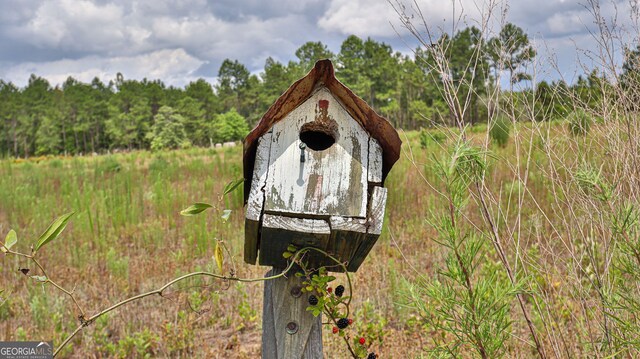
(296,291)
(292,328)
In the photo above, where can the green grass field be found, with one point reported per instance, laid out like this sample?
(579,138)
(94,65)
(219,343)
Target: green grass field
(127,237)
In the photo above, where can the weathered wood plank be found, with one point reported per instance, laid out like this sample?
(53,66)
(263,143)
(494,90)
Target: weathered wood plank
(346,236)
(374,227)
(255,202)
(278,232)
(375,162)
(280,309)
(376,210)
(329,182)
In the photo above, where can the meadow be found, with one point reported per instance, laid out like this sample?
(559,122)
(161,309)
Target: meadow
(127,237)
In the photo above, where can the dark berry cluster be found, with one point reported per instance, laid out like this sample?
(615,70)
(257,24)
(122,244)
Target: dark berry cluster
(372,356)
(343,323)
(313,300)
(339,290)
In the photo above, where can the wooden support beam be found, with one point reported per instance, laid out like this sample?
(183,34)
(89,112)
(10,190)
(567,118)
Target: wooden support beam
(288,330)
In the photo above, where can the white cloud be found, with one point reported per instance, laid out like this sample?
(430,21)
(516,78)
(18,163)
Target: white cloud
(172,66)
(566,23)
(75,25)
(358,17)
(379,17)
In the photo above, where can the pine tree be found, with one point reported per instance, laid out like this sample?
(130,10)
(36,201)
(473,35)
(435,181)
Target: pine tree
(168,130)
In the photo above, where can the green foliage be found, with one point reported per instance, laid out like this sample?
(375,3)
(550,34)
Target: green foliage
(579,123)
(5,307)
(139,345)
(630,79)
(195,208)
(168,130)
(48,139)
(468,303)
(9,241)
(117,264)
(230,126)
(108,164)
(592,183)
(311,52)
(248,314)
(53,231)
(123,114)
(500,131)
(510,50)
(231,186)
(178,336)
(429,137)
(129,122)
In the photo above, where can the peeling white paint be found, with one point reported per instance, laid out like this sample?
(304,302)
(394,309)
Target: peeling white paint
(329,182)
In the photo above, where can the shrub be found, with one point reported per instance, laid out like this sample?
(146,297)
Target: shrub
(500,131)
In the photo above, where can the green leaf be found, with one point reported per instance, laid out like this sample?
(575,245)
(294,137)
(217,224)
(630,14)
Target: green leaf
(39,278)
(232,186)
(226,214)
(291,248)
(195,208)
(287,254)
(10,240)
(53,231)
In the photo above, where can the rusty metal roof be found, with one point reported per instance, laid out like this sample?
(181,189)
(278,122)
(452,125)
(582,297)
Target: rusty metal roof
(322,75)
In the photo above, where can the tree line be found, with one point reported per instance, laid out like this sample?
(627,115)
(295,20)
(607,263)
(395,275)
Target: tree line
(77,117)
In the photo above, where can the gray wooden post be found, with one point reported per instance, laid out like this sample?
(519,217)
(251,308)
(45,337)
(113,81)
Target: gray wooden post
(288,330)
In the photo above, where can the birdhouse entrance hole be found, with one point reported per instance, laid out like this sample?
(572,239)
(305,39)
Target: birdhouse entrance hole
(319,136)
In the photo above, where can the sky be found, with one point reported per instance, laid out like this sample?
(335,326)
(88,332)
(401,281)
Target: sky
(181,41)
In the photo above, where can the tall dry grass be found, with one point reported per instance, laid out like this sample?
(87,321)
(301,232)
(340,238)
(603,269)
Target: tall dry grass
(563,226)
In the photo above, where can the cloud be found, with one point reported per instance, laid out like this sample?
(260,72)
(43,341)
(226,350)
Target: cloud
(84,30)
(381,18)
(76,37)
(358,17)
(172,66)
(73,25)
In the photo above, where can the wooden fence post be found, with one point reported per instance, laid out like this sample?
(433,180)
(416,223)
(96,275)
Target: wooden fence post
(289,331)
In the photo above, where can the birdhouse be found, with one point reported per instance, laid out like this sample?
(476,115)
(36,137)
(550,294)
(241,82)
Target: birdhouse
(314,168)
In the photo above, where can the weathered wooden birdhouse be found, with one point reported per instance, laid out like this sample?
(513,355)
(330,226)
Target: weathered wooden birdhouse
(314,167)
